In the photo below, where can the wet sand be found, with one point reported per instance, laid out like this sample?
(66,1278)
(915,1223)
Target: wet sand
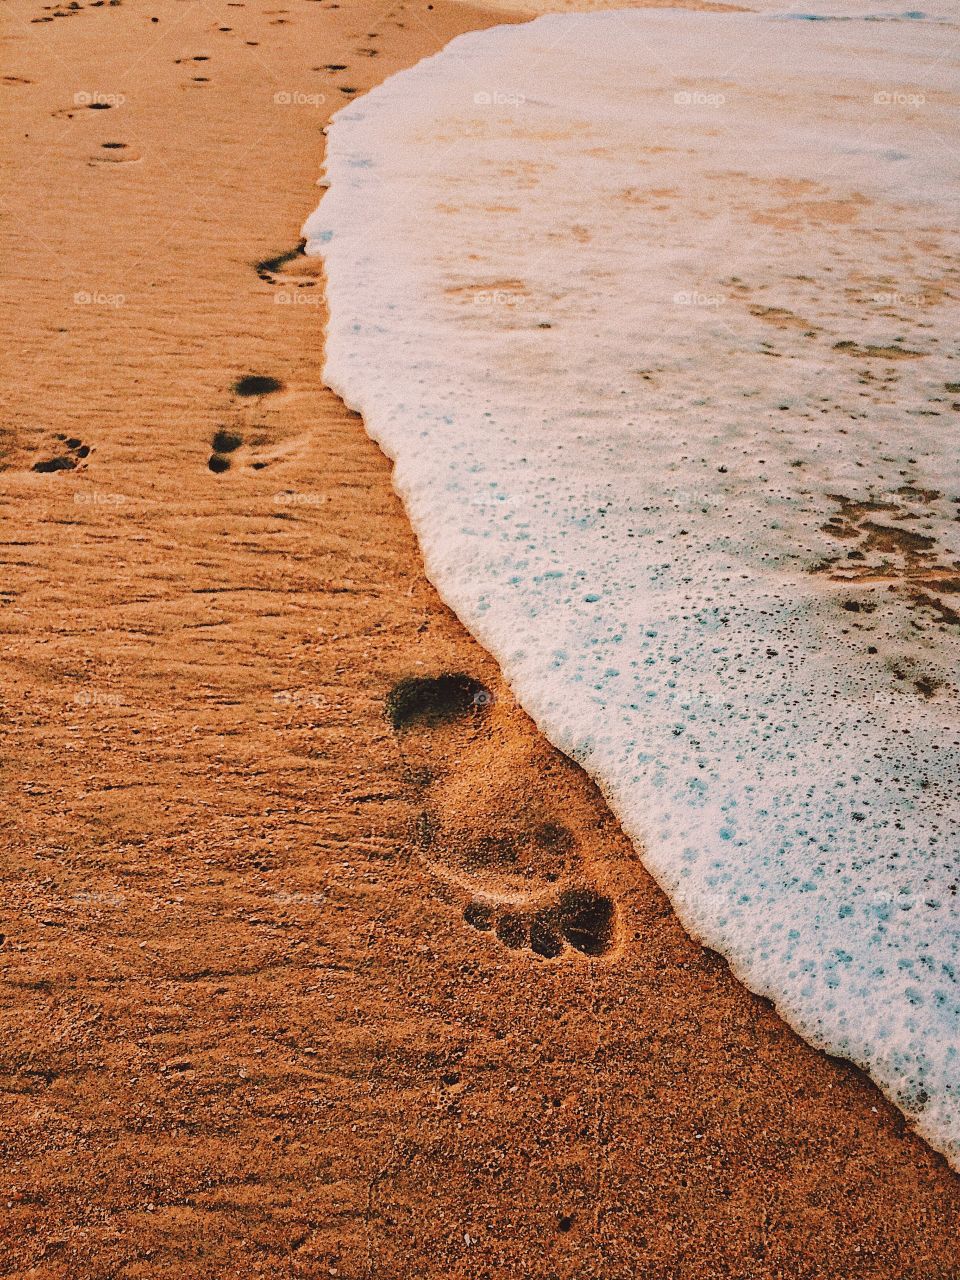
(247,1028)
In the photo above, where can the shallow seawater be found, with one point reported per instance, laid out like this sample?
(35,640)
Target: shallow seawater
(656,312)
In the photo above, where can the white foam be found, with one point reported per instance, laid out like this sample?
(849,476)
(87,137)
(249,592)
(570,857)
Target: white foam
(594,282)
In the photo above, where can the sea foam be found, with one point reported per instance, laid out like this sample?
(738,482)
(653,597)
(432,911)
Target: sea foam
(656,313)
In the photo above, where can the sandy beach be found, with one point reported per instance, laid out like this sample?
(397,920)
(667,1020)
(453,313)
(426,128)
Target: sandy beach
(250,1024)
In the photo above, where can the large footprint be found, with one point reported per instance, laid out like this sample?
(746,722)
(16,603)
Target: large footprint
(485,832)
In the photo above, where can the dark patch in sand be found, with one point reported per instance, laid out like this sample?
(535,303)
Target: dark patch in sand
(226,441)
(891,554)
(580,918)
(55,464)
(257,384)
(478,915)
(585,918)
(512,930)
(872,352)
(435,700)
(268,267)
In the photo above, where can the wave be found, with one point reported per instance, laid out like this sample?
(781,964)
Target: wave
(654,312)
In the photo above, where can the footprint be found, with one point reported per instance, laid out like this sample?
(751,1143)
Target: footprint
(517,868)
(291,270)
(70,455)
(251,447)
(289,273)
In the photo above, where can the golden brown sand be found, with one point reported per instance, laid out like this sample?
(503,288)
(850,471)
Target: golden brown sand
(246,1028)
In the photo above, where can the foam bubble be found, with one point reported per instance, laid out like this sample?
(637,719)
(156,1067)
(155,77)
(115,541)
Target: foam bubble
(655,313)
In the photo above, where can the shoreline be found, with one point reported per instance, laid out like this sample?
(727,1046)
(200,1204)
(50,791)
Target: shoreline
(247,1024)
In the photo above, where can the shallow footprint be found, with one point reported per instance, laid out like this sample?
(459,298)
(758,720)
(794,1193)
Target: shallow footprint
(115,153)
(486,830)
(293,270)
